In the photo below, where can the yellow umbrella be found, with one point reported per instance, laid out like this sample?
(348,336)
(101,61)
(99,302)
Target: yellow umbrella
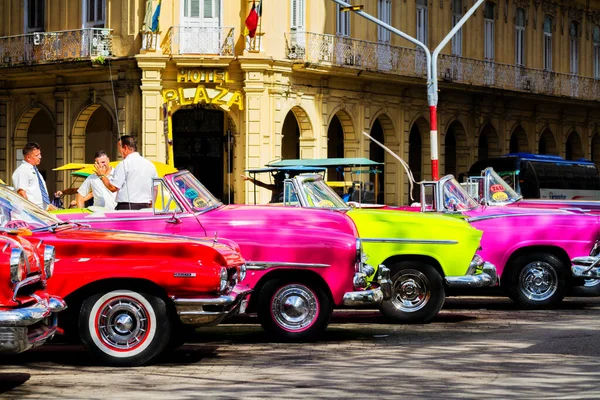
(161,168)
(2,182)
(71,166)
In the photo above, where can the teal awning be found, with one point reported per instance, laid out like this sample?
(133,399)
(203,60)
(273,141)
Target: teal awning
(325,162)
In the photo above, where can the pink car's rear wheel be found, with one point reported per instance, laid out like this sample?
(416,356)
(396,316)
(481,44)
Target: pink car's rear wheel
(293,310)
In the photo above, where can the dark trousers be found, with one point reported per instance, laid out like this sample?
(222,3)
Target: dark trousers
(132,206)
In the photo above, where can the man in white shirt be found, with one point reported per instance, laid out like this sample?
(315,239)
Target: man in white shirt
(132,177)
(102,196)
(27,180)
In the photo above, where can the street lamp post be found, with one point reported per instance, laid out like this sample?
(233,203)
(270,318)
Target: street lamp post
(431,60)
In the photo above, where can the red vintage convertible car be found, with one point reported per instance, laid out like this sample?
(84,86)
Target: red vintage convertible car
(131,295)
(28,314)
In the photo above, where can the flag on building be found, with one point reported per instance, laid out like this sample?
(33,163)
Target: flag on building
(259,9)
(155,17)
(251,22)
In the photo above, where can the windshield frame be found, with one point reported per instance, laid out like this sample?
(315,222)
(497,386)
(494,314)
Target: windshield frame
(460,191)
(185,201)
(302,184)
(35,213)
(490,175)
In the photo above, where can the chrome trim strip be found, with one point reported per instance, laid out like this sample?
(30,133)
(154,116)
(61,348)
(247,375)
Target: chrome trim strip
(475,219)
(363,297)
(27,281)
(408,241)
(263,265)
(488,277)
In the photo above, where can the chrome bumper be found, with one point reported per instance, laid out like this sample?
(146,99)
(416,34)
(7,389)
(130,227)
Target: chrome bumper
(488,277)
(371,296)
(212,310)
(27,327)
(586,267)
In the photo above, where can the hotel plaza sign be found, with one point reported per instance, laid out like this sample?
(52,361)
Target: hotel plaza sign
(184,95)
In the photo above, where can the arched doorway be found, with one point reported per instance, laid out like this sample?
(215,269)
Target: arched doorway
(335,146)
(199,139)
(377,153)
(595,156)
(100,134)
(573,147)
(518,140)
(290,141)
(43,132)
(456,150)
(415,158)
(488,143)
(547,144)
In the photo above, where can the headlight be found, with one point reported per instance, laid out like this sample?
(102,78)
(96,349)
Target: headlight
(476,263)
(242,272)
(223,276)
(595,250)
(49,257)
(18,265)
(361,257)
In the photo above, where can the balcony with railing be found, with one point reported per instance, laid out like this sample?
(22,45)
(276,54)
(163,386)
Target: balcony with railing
(380,57)
(217,41)
(52,47)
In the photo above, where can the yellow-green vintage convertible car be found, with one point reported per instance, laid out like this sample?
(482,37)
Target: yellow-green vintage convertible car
(426,253)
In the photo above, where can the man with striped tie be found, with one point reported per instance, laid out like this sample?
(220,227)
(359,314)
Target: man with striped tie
(28,181)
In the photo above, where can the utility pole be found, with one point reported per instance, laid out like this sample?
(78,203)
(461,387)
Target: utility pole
(431,60)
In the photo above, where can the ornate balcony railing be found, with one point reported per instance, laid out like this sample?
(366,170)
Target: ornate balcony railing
(52,47)
(199,40)
(379,57)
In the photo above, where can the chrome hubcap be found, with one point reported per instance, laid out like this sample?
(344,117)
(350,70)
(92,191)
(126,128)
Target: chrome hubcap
(122,323)
(294,307)
(538,281)
(412,291)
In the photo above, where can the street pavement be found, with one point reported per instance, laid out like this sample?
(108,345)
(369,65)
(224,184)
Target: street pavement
(480,348)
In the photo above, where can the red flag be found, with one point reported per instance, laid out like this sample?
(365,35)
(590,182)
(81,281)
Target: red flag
(252,20)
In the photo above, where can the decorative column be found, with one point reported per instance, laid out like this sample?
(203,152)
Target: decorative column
(153,136)
(63,152)
(5,171)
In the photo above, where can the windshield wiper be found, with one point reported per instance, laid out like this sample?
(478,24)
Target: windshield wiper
(54,227)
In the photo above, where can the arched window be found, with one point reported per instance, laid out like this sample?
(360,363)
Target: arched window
(520,37)
(574,47)
(456,16)
(597,52)
(548,43)
(422,21)
(489,31)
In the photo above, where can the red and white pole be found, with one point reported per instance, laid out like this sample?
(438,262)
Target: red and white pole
(434,142)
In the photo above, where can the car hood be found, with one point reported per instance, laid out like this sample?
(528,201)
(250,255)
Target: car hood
(378,223)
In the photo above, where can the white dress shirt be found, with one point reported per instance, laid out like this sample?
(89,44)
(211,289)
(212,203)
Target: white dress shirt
(26,178)
(102,196)
(133,177)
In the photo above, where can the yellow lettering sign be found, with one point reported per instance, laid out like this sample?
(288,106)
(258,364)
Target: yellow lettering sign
(201,96)
(203,76)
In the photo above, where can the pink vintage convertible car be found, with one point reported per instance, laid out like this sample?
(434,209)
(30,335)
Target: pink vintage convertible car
(300,262)
(532,248)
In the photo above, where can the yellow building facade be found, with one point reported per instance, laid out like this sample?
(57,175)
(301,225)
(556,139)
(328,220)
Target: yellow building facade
(522,75)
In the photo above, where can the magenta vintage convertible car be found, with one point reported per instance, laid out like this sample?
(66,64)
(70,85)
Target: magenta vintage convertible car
(300,262)
(532,248)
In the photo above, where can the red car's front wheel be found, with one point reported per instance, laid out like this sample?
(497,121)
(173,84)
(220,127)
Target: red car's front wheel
(124,327)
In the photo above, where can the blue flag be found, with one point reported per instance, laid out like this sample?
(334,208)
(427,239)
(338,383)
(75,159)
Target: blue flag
(155,17)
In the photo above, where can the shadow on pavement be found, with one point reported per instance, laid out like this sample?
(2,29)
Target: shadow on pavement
(9,381)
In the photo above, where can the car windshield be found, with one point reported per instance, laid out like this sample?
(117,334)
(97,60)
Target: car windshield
(456,197)
(16,212)
(196,195)
(317,194)
(498,190)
